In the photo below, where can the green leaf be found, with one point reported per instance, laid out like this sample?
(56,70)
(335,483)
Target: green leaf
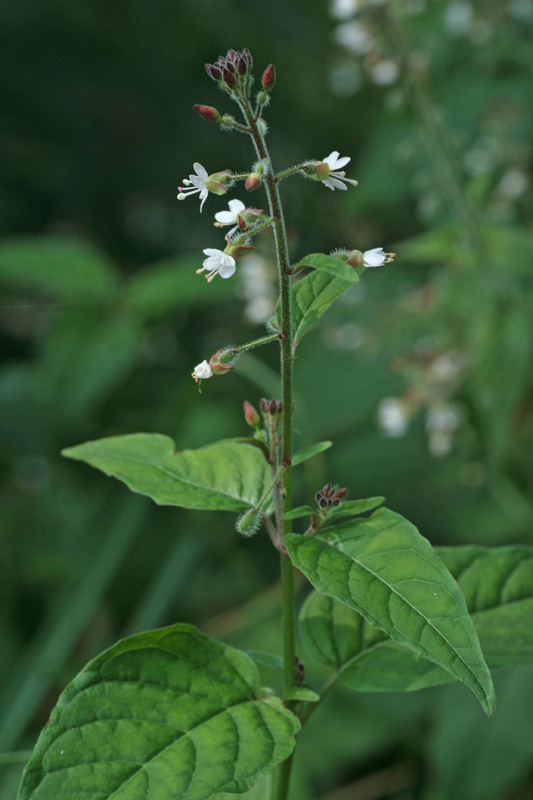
(271,660)
(167,711)
(385,570)
(261,791)
(296,513)
(65,269)
(309,452)
(350,508)
(498,587)
(311,297)
(300,693)
(334,266)
(226,476)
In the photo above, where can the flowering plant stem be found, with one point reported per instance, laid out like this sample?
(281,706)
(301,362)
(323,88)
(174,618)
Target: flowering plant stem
(281,784)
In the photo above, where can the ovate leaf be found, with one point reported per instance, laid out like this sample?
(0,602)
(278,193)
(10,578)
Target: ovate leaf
(226,476)
(296,513)
(168,713)
(498,587)
(334,266)
(382,568)
(311,297)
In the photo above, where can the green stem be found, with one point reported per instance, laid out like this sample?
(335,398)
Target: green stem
(287,572)
(17,757)
(257,343)
(243,236)
(290,171)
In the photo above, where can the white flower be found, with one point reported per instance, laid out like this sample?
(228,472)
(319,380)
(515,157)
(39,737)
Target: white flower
(202,371)
(218,263)
(195,184)
(333,179)
(230,217)
(376,257)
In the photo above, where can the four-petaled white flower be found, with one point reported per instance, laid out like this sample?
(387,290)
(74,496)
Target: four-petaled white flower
(217,263)
(332,177)
(230,217)
(376,257)
(196,184)
(202,371)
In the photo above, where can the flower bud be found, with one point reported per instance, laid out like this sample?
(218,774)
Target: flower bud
(253,181)
(213,72)
(251,416)
(269,77)
(247,56)
(229,78)
(208,113)
(242,66)
(249,522)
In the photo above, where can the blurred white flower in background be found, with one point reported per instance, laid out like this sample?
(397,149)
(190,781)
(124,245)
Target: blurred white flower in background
(258,288)
(441,423)
(393,417)
(353,36)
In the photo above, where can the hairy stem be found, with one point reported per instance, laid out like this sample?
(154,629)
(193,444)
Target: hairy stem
(287,572)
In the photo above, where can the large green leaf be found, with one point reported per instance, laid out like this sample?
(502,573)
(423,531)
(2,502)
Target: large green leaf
(66,269)
(167,713)
(334,266)
(226,476)
(311,297)
(382,568)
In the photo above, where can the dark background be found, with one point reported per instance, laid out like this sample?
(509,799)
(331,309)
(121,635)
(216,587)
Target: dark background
(103,318)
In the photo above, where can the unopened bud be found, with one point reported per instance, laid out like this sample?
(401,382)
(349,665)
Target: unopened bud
(242,66)
(269,77)
(213,72)
(341,493)
(253,181)
(251,416)
(207,112)
(248,523)
(229,78)
(247,56)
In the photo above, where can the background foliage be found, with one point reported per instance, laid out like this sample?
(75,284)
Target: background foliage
(421,375)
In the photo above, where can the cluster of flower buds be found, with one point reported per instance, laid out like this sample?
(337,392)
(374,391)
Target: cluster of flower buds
(330,496)
(232,72)
(271,408)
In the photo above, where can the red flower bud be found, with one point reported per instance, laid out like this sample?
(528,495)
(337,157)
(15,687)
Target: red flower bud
(207,112)
(247,56)
(229,78)
(250,414)
(242,66)
(213,72)
(269,77)
(253,181)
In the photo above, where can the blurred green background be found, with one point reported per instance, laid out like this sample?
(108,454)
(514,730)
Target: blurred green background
(421,374)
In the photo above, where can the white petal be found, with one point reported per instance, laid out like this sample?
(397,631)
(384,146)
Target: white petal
(236,206)
(203,197)
(341,162)
(202,371)
(201,171)
(211,251)
(337,183)
(331,159)
(374,258)
(225,217)
(227,267)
